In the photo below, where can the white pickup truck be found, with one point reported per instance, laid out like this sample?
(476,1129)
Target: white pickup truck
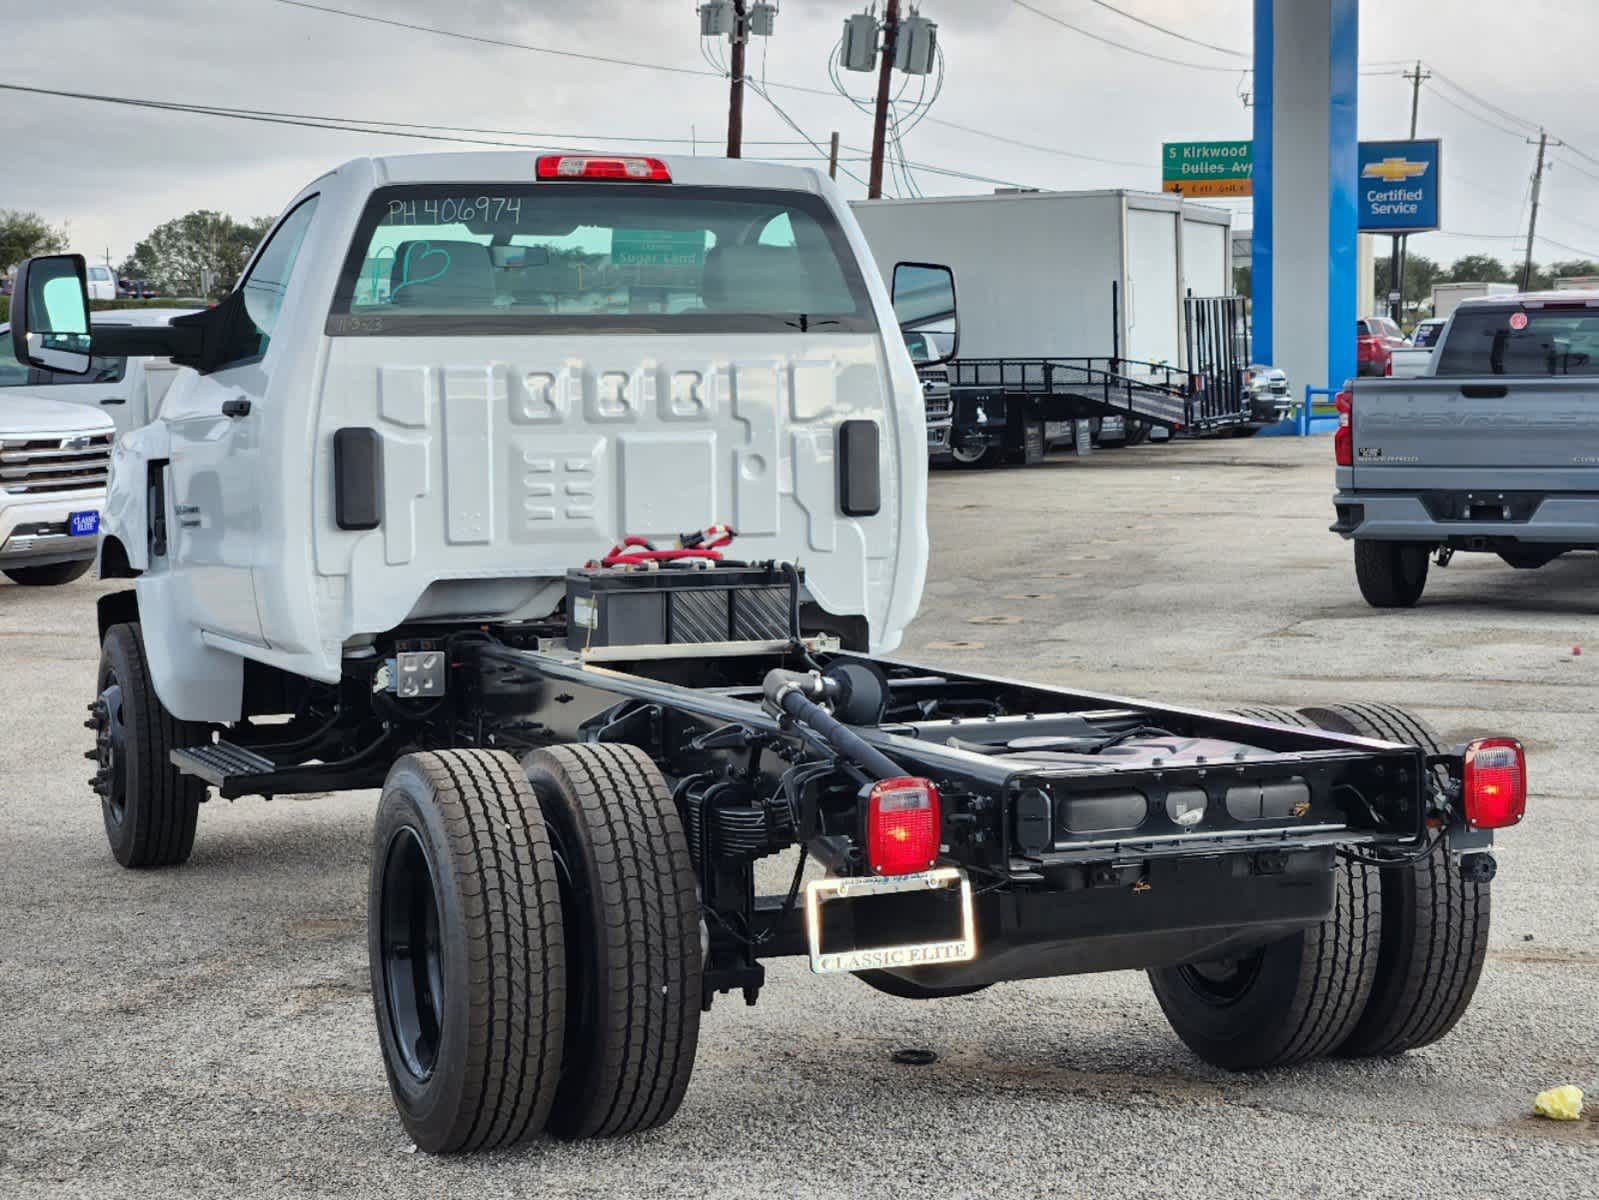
(366,538)
(56,433)
(54,457)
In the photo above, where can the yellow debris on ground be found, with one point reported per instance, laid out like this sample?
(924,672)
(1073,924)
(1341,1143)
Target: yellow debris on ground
(1559,1104)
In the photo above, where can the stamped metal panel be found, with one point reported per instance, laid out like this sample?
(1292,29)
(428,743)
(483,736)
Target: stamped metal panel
(509,460)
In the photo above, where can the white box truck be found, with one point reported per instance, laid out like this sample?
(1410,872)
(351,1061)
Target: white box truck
(1446,297)
(1098,275)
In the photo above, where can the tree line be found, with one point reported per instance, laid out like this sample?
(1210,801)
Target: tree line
(199,254)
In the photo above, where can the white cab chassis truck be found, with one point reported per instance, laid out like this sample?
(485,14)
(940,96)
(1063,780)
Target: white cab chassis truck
(366,539)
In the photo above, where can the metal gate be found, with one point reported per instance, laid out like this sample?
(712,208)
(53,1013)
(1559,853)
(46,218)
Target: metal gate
(1215,331)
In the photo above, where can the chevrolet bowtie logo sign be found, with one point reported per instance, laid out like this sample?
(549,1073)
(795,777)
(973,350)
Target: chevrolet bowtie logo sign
(1394,170)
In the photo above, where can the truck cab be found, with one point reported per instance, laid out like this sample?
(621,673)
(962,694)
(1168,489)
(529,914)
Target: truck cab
(486,365)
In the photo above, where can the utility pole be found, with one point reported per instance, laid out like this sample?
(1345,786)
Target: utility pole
(1396,263)
(735,97)
(885,76)
(832,157)
(1532,221)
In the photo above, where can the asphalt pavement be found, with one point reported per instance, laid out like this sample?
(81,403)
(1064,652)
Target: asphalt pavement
(207,1031)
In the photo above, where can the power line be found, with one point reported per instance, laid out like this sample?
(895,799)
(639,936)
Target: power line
(1474,115)
(1490,106)
(1182,37)
(778,108)
(767,85)
(350,124)
(488,41)
(1065,24)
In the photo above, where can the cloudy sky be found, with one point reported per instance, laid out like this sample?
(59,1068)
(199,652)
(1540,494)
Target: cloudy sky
(1096,112)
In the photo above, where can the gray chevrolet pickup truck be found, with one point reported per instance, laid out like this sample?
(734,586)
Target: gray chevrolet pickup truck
(1494,447)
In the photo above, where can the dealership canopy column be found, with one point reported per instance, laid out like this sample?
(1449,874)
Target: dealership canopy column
(1305,167)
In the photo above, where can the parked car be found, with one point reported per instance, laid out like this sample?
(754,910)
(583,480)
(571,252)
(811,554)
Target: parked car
(135,289)
(102,282)
(1411,360)
(1493,448)
(1376,338)
(54,458)
(128,390)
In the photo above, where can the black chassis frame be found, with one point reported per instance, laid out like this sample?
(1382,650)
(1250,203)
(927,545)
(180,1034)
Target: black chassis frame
(1154,895)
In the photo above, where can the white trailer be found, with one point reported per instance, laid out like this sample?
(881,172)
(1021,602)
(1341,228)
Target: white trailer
(1070,293)
(1446,297)
(1048,274)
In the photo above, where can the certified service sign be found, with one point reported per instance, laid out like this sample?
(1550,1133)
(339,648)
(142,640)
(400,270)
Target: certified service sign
(1398,186)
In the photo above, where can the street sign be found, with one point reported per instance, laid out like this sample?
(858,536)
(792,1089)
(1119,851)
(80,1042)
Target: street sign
(657,248)
(1398,186)
(1207,168)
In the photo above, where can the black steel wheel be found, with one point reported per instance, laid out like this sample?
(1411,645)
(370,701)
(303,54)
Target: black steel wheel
(466,949)
(149,808)
(633,936)
(1434,928)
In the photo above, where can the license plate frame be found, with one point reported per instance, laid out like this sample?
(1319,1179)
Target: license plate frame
(836,888)
(83,524)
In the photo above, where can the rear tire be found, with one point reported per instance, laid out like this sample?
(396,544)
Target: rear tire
(150,809)
(466,949)
(631,904)
(1137,433)
(1390,574)
(1292,1000)
(1434,929)
(48,575)
(966,457)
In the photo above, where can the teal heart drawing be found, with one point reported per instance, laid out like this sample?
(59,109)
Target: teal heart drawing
(413,258)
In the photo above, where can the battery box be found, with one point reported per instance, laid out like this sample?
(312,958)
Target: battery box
(676,605)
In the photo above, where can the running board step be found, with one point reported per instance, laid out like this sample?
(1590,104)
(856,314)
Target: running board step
(218,762)
(239,771)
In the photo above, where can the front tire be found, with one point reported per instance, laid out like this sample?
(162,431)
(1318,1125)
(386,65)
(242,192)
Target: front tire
(467,954)
(631,905)
(1289,1001)
(1434,929)
(48,575)
(150,809)
(1390,574)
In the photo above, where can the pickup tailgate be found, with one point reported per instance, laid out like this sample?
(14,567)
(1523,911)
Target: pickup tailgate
(1477,433)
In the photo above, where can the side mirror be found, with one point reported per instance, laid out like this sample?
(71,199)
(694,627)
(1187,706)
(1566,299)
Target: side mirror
(50,314)
(924,306)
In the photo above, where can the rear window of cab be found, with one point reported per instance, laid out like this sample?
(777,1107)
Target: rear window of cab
(454,260)
(1532,342)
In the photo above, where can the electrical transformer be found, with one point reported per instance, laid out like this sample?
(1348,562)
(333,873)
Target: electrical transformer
(859,52)
(916,45)
(716,18)
(761,19)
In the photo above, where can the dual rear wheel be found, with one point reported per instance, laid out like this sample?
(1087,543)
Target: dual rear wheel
(535,945)
(1391,969)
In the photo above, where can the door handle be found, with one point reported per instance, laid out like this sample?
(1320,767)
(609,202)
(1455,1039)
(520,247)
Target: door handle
(236,408)
(114,400)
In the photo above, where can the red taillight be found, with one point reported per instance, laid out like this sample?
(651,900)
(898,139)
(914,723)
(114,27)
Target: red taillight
(902,826)
(1495,783)
(589,166)
(1344,435)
